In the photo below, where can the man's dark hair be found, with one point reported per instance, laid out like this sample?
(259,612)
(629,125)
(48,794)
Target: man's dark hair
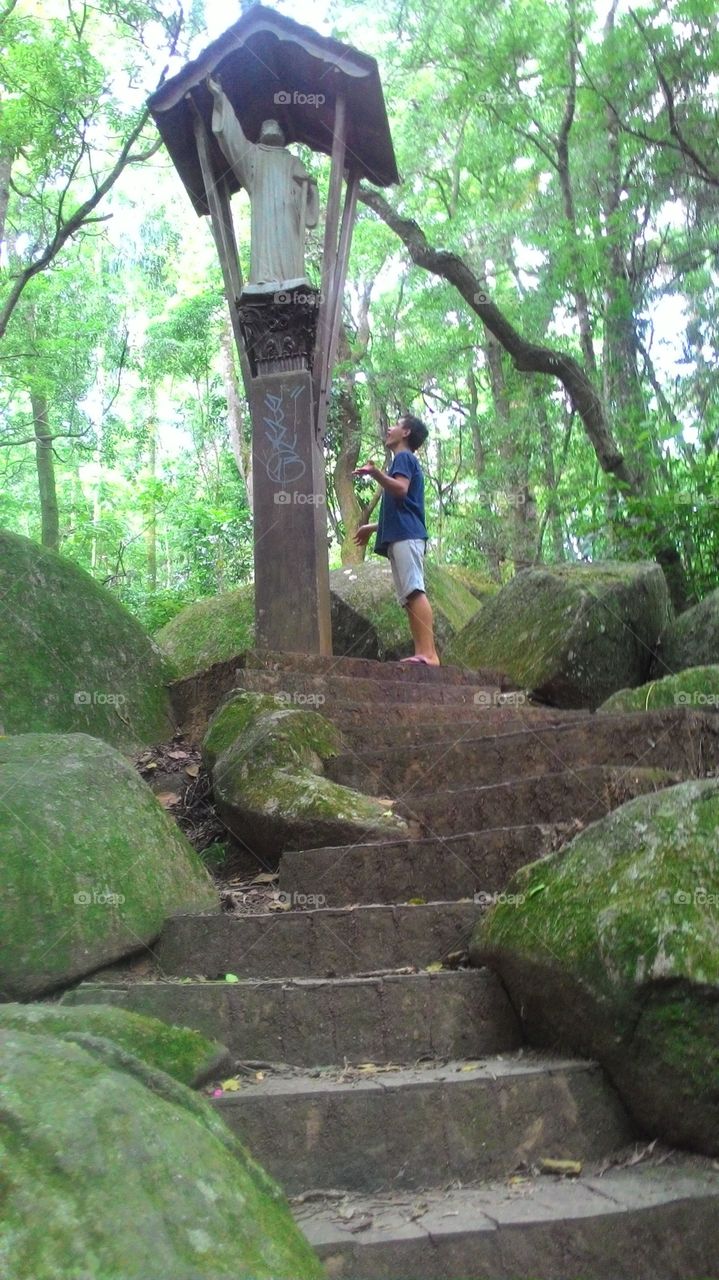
(417,431)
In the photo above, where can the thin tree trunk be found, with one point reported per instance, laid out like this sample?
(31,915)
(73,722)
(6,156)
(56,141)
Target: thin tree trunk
(241,449)
(151,513)
(49,515)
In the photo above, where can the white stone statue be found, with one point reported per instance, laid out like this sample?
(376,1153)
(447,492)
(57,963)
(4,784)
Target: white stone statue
(283,198)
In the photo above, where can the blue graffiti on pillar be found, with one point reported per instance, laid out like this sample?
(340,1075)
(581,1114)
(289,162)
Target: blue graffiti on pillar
(283,463)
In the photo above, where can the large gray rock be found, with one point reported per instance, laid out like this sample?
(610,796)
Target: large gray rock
(610,948)
(90,863)
(572,633)
(72,659)
(367,622)
(268,782)
(691,640)
(114,1170)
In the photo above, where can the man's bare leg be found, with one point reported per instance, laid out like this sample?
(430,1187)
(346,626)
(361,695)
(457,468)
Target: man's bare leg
(419,612)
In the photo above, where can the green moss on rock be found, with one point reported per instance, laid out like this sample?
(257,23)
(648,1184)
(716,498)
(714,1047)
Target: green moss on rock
(611,948)
(367,621)
(90,863)
(181,1052)
(111,1169)
(266,763)
(72,659)
(696,687)
(572,633)
(691,640)
(210,630)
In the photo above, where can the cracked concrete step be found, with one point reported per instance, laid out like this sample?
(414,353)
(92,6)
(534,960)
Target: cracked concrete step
(434,869)
(328,942)
(577,794)
(311,1022)
(675,738)
(403,1128)
(644,1223)
(314,691)
(318,664)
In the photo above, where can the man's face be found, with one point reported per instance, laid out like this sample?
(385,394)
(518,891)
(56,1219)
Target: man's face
(397,433)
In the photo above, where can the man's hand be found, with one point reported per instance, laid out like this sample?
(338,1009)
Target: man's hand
(367,469)
(364,533)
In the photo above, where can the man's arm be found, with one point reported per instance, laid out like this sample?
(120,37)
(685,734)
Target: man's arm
(364,533)
(398,486)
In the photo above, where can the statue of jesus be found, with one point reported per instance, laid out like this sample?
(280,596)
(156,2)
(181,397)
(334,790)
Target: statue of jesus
(283,198)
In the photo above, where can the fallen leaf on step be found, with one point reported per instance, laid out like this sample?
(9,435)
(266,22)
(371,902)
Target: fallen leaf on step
(361,1225)
(569,1168)
(178,755)
(168,798)
(367,1068)
(435,967)
(416,902)
(265,877)
(279,904)
(192,770)
(151,764)
(231,977)
(231,1086)
(471,1066)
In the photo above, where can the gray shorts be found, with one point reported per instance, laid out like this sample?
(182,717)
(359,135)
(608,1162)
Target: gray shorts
(407,561)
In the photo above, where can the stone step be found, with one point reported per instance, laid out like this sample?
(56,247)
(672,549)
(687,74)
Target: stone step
(328,942)
(307,1022)
(649,1222)
(582,795)
(313,692)
(675,738)
(434,869)
(318,664)
(366,732)
(397,1129)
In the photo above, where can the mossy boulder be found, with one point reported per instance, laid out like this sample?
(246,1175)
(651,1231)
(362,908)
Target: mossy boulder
(266,764)
(696,687)
(210,631)
(182,1053)
(691,640)
(573,633)
(112,1169)
(610,949)
(479,584)
(90,863)
(367,621)
(72,659)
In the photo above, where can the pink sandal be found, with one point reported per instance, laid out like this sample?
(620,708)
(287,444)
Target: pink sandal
(418,659)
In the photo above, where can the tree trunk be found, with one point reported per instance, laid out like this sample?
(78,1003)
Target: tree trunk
(49,515)
(350,425)
(241,447)
(151,513)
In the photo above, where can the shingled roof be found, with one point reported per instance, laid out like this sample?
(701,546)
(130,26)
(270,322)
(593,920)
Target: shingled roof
(273,68)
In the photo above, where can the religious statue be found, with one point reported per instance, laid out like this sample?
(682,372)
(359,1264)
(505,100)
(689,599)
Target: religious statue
(283,198)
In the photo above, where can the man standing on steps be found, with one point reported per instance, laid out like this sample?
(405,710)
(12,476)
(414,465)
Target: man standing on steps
(401,531)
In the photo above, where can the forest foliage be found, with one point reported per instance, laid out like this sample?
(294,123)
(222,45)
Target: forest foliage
(542,288)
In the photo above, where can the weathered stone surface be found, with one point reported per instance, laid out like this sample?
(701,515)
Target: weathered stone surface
(479,584)
(209,631)
(72,659)
(367,621)
(323,942)
(614,952)
(572,633)
(691,640)
(392,1018)
(182,1053)
(436,1122)
(266,764)
(696,687)
(651,1222)
(90,863)
(113,1169)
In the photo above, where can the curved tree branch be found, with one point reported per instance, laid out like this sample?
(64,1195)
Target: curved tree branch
(527,357)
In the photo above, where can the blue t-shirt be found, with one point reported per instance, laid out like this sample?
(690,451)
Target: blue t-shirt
(402,518)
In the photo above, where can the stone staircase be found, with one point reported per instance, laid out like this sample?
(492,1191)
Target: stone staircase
(390,1095)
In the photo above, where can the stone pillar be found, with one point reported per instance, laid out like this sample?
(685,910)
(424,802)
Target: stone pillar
(292,594)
